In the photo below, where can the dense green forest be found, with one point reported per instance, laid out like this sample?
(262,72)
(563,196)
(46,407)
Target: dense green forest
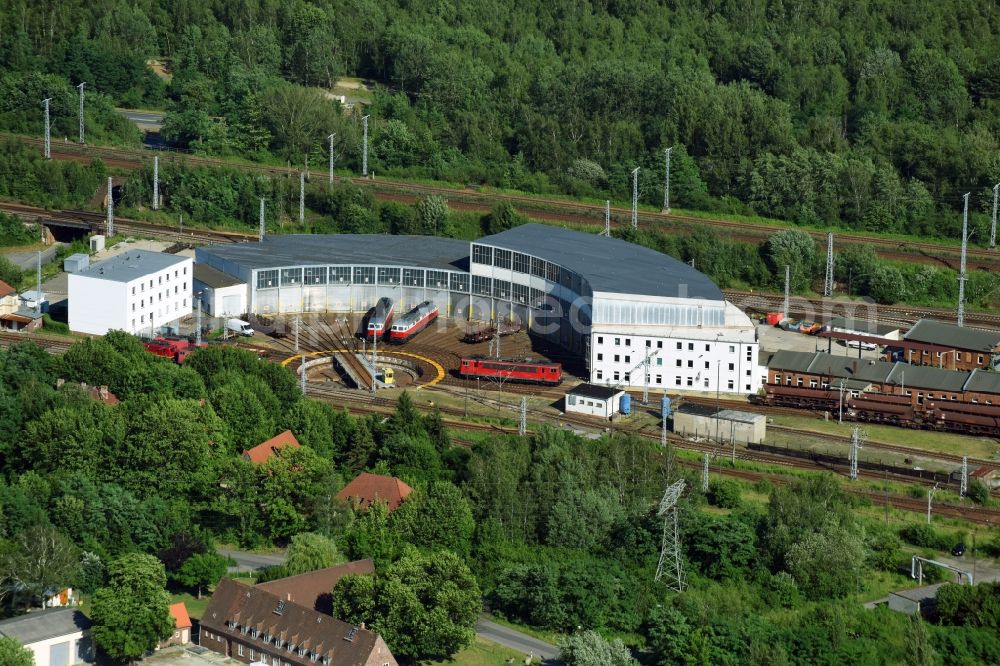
(870,115)
(553,530)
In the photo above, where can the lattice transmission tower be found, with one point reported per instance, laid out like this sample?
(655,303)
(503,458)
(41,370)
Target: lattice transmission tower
(671,567)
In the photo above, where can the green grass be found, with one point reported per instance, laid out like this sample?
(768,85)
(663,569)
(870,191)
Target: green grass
(926,440)
(483,653)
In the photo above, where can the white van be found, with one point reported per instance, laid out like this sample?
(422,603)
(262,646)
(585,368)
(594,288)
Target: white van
(239,327)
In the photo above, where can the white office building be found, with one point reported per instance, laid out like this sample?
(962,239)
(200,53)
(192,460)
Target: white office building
(137,291)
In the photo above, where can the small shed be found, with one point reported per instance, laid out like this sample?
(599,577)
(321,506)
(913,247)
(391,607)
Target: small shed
(32,299)
(728,425)
(593,400)
(75,263)
(97,243)
(922,600)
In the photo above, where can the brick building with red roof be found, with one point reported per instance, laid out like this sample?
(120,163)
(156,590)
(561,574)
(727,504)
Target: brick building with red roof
(314,589)
(182,625)
(249,624)
(367,488)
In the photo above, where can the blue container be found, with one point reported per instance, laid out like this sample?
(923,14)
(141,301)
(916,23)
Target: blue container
(665,407)
(625,406)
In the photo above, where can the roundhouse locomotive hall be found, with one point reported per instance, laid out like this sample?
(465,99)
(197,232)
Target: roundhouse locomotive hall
(614,303)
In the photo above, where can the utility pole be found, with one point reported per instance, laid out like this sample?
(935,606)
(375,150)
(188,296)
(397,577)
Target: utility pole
(82,84)
(965,477)
(704,474)
(38,284)
(961,270)
(260,234)
(375,362)
(331,156)
(522,425)
(302,374)
(663,428)
(635,198)
(828,282)
(666,183)
(840,415)
(855,446)
(111,208)
(607,217)
(296,335)
(364,147)
(48,137)
(197,320)
(993,225)
(788,282)
(156,182)
(645,383)
(302,197)
(930,498)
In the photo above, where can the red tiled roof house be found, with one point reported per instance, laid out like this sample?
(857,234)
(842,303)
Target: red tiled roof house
(263,452)
(367,488)
(182,626)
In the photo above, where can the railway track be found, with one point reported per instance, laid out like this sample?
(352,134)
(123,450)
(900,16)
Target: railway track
(820,308)
(52,345)
(885,446)
(565,210)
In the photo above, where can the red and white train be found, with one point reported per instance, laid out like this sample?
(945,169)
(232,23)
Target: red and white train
(413,322)
(527,370)
(380,319)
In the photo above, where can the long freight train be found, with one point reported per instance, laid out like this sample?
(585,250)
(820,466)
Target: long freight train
(526,370)
(414,321)
(946,415)
(380,319)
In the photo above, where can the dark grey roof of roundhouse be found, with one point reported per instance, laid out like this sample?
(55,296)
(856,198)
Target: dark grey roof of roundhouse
(359,249)
(608,264)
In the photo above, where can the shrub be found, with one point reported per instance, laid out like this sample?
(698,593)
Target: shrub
(724,494)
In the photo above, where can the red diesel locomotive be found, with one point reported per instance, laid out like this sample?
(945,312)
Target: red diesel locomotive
(380,319)
(413,322)
(526,370)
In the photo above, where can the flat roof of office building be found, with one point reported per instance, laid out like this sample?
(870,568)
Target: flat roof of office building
(131,265)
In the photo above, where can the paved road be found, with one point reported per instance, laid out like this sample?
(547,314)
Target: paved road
(28,260)
(152,120)
(516,640)
(252,561)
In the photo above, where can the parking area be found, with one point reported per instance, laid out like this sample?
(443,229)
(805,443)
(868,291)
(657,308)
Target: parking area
(773,339)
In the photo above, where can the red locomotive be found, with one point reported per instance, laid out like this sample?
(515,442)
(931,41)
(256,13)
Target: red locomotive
(176,350)
(526,370)
(380,319)
(413,322)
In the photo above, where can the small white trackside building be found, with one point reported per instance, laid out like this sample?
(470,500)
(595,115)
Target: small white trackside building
(137,291)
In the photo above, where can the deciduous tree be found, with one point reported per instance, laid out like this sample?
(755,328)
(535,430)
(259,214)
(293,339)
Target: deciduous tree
(131,614)
(424,605)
